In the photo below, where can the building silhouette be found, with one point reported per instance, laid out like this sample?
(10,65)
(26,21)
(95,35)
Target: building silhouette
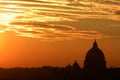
(94,69)
(95,59)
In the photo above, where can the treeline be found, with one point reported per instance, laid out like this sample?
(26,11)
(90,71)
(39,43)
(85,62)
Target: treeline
(56,73)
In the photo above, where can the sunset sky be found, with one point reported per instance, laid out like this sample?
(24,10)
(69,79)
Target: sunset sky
(35,33)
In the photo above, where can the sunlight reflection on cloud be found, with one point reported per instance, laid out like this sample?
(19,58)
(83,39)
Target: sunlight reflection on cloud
(35,18)
(53,31)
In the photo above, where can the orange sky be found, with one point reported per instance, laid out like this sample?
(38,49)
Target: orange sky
(27,52)
(37,33)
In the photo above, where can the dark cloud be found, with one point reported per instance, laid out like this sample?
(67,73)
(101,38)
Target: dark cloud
(110,2)
(117,12)
(103,26)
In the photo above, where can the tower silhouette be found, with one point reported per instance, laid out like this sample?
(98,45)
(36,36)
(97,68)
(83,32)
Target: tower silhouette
(94,59)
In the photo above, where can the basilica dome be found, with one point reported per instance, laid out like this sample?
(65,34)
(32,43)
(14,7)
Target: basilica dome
(94,59)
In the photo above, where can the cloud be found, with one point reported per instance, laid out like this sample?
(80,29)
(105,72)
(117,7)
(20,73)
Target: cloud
(52,31)
(63,10)
(44,25)
(60,35)
(61,19)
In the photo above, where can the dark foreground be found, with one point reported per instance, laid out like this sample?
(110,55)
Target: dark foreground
(55,73)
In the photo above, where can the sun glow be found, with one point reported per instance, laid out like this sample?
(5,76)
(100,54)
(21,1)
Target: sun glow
(5,18)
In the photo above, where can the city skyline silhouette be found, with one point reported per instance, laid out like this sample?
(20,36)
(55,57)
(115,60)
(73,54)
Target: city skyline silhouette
(94,69)
(57,32)
(59,39)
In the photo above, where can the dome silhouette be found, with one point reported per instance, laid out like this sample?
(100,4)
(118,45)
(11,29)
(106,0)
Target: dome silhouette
(94,59)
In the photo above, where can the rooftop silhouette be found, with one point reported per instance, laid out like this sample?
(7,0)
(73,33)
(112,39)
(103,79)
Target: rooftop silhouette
(94,69)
